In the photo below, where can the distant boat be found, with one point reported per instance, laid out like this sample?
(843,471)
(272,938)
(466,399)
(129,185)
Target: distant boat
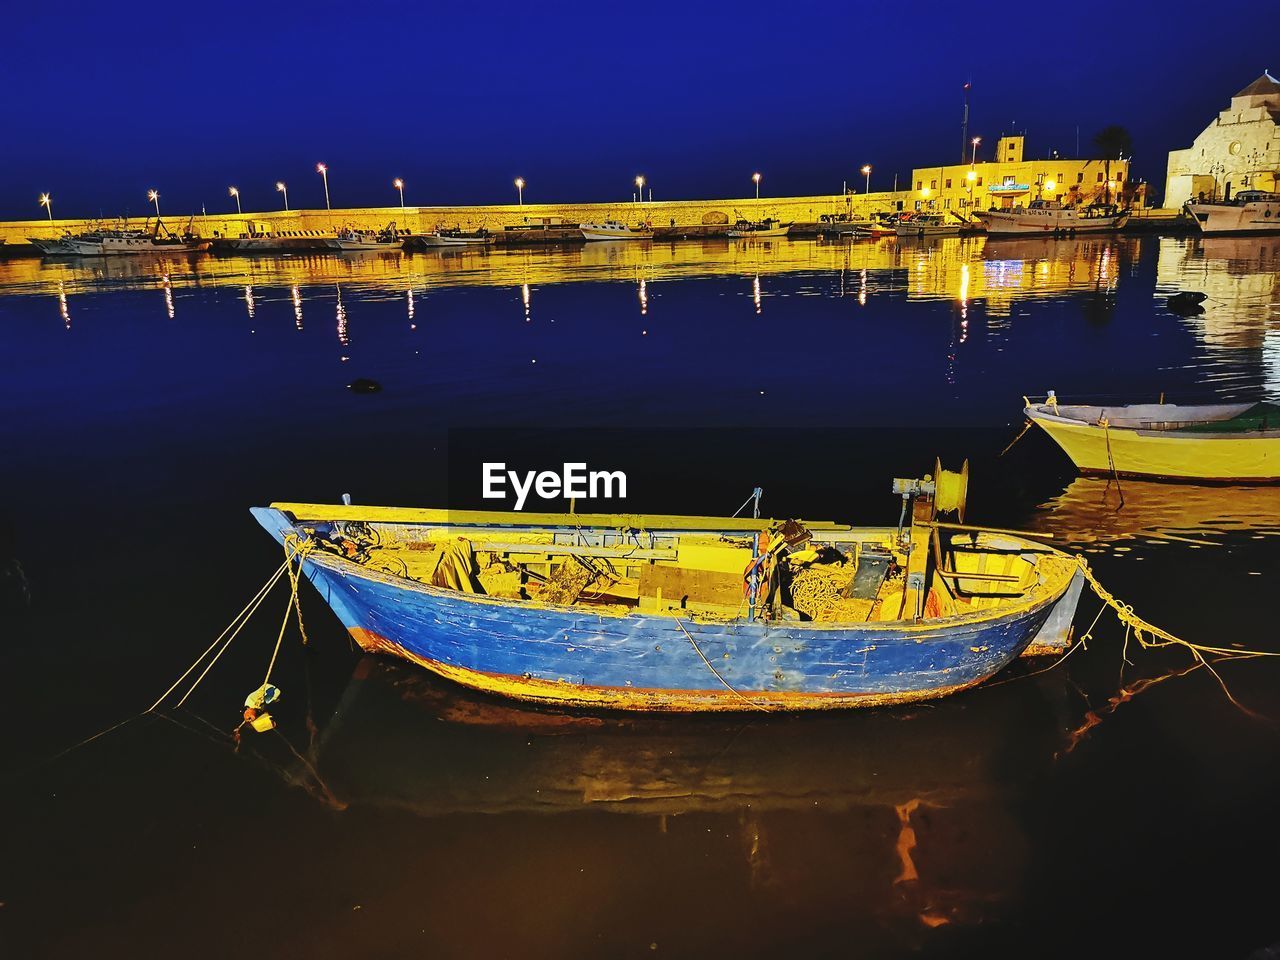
(759,229)
(615,230)
(50,248)
(453,237)
(1249,211)
(880,225)
(670,613)
(100,243)
(350,239)
(922,225)
(1230,442)
(1051,217)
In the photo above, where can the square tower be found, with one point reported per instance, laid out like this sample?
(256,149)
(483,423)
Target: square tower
(1009,150)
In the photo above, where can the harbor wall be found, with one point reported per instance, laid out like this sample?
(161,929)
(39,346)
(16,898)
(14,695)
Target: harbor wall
(677,213)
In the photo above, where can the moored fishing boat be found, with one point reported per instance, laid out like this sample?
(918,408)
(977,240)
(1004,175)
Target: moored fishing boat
(759,229)
(50,247)
(350,239)
(1049,216)
(615,230)
(1250,211)
(656,613)
(1229,442)
(124,242)
(921,225)
(453,237)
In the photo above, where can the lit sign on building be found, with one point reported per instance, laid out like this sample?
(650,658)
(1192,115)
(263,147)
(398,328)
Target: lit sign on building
(1009,188)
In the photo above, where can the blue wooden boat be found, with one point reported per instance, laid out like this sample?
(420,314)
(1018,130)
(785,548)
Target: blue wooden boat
(669,613)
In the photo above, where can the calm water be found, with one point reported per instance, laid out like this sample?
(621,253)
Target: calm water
(146,405)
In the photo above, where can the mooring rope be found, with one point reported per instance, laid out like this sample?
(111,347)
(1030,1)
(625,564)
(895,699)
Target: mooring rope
(747,701)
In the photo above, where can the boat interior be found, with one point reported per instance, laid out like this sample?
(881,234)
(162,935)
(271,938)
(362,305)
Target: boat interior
(1217,418)
(713,568)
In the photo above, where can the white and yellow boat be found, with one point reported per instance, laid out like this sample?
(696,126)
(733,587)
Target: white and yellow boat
(1222,443)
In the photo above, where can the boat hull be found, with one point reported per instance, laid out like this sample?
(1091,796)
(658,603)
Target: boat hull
(1034,222)
(1262,216)
(349,246)
(595,234)
(1164,455)
(574,656)
(759,234)
(130,248)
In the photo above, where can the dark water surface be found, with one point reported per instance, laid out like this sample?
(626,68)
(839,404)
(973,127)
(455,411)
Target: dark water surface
(147,404)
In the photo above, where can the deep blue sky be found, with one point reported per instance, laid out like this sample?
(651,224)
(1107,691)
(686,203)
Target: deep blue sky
(105,100)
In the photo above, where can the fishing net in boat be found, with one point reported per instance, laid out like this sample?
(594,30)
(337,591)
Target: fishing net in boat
(817,591)
(566,583)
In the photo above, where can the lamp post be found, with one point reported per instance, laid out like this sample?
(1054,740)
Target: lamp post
(971,176)
(281,188)
(520,191)
(236,193)
(324,172)
(973,156)
(866,172)
(756,178)
(640,188)
(47,204)
(399,185)
(154,197)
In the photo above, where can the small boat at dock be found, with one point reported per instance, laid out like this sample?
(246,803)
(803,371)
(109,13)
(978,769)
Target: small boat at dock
(759,229)
(922,225)
(1051,217)
(124,242)
(671,613)
(1249,211)
(1218,443)
(50,247)
(453,237)
(615,230)
(350,239)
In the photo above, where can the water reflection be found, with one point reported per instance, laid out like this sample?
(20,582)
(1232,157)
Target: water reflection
(914,810)
(1092,513)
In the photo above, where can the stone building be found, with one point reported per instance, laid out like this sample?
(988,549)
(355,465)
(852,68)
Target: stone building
(1240,150)
(1009,180)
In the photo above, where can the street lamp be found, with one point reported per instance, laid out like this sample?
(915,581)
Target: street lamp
(971,176)
(47,204)
(399,185)
(756,178)
(973,157)
(281,188)
(236,193)
(324,172)
(520,190)
(640,188)
(866,172)
(154,197)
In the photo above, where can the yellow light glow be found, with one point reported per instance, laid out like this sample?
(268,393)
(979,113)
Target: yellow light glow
(866,169)
(232,191)
(755,177)
(640,182)
(971,176)
(976,141)
(280,186)
(1111,184)
(152,195)
(321,168)
(1050,185)
(44,199)
(397,183)
(924,192)
(520,182)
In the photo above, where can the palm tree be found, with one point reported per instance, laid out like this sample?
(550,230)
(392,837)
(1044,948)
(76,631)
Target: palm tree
(1112,141)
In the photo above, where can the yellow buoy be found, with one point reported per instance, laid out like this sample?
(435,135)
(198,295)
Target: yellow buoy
(263,722)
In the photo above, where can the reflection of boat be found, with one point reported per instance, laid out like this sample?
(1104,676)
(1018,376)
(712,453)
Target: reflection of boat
(99,243)
(1093,510)
(1223,442)
(615,230)
(759,229)
(928,225)
(1249,211)
(659,620)
(1049,216)
(349,239)
(453,237)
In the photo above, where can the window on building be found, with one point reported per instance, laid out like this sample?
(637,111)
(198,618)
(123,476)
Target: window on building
(1080,177)
(1099,177)
(933,184)
(919,184)
(948,183)
(979,181)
